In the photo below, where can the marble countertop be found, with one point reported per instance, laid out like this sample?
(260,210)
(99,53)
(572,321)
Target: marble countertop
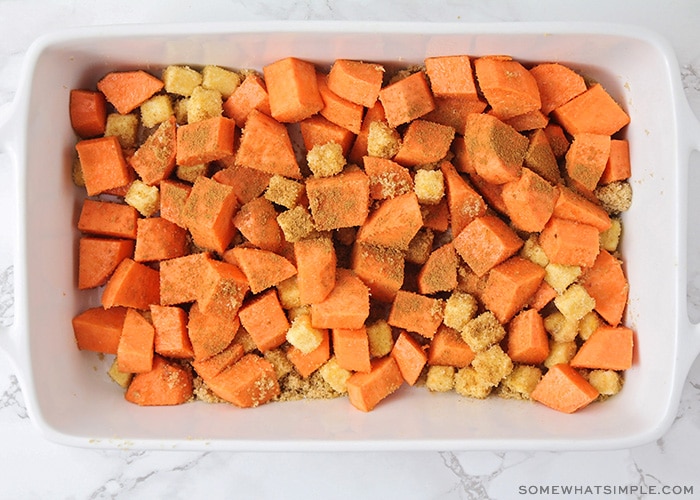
(32,467)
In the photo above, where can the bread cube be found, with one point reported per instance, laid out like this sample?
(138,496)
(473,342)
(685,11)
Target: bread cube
(615,197)
(560,352)
(288,293)
(606,382)
(284,191)
(381,339)
(575,302)
(429,186)
(440,378)
(420,247)
(218,78)
(335,375)
(302,335)
(532,251)
(470,384)
(190,173)
(520,382)
(326,160)
(279,361)
(243,337)
(144,198)
(460,309)
(560,276)
(589,324)
(492,365)
(77,173)
(203,104)
(296,224)
(610,238)
(181,80)
(156,110)
(123,379)
(180,110)
(483,331)
(561,328)
(124,127)
(382,140)
(298,311)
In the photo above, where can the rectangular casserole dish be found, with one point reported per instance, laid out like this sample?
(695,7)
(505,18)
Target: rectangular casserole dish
(68,393)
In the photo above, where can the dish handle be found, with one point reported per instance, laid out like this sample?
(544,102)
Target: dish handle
(8,228)
(689,322)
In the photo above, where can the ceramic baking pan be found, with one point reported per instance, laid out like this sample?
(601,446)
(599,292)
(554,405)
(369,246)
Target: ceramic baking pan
(68,393)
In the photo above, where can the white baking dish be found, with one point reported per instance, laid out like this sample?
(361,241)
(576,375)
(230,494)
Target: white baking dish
(69,395)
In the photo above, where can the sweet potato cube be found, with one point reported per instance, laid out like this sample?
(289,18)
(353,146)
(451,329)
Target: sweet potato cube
(387,178)
(510,285)
(573,206)
(439,273)
(210,333)
(173,197)
(507,85)
(338,110)
(447,348)
(496,150)
(586,159)
(463,201)
(88,113)
(527,338)
(132,285)
(171,338)
(393,224)
(220,282)
(264,318)
(179,276)
(347,306)
(451,76)
(154,160)
(317,130)
(257,222)
(339,201)
(159,239)
(351,348)
(265,145)
(108,219)
(307,363)
(593,111)
(618,167)
(292,89)
(605,281)
(564,389)
(366,390)
(205,140)
(529,201)
(380,268)
(486,242)
(557,85)
(135,350)
(316,266)
(99,257)
(356,81)
(416,313)
(540,157)
(247,183)
(407,99)
(424,142)
(250,382)
(127,90)
(167,383)
(608,348)
(249,95)
(208,214)
(98,329)
(209,368)
(103,164)
(409,356)
(569,242)
(262,268)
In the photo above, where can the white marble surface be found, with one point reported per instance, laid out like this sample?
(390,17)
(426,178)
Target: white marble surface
(31,467)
